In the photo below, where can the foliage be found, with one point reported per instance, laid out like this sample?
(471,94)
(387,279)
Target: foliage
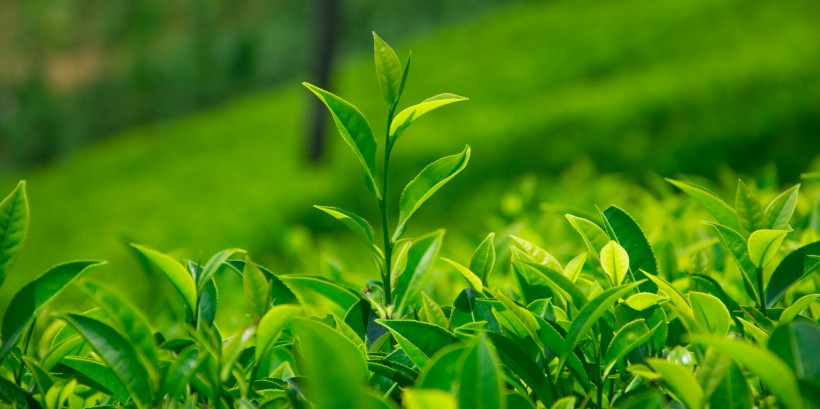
(619,325)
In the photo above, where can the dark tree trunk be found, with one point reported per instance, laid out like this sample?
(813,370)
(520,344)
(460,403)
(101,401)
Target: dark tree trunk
(326,20)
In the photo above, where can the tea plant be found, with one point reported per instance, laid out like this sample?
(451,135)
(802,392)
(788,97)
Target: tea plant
(611,327)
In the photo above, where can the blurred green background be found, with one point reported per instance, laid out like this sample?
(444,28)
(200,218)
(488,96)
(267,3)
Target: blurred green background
(182,125)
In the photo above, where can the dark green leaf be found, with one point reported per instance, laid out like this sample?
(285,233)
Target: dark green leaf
(13,227)
(521,364)
(426,183)
(355,131)
(481,377)
(25,305)
(793,267)
(16,396)
(419,340)
(118,353)
(736,244)
(796,344)
(733,392)
(208,301)
(466,309)
(100,374)
(630,236)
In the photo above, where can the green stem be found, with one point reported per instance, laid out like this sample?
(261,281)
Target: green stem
(388,241)
(760,291)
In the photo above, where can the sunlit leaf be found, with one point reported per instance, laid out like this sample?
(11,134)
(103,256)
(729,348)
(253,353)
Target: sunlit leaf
(710,313)
(388,69)
(763,245)
(483,259)
(420,259)
(749,213)
(409,115)
(794,267)
(14,216)
(680,381)
(175,272)
(720,210)
(255,287)
(615,262)
(419,340)
(481,377)
(780,210)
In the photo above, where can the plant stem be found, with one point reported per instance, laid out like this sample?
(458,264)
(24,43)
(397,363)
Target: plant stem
(760,291)
(388,241)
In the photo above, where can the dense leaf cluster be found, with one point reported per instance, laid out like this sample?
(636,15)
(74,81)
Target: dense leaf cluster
(610,328)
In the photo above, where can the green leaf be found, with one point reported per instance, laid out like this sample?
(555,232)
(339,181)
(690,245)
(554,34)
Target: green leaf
(567,402)
(182,368)
(355,131)
(433,311)
(355,223)
(680,381)
(514,317)
(175,272)
(118,353)
(615,262)
(588,316)
(208,301)
(428,398)
(556,281)
(40,375)
(793,267)
(420,259)
(467,309)
(27,303)
(535,254)
(710,313)
(481,377)
(522,365)
(673,294)
(555,342)
(642,301)
(130,321)
(780,210)
(573,269)
(100,374)
(271,325)
(426,183)
(629,337)
(14,216)
(797,307)
(593,235)
(629,235)
(642,398)
(711,369)
(441,370)
(407,116)
(388,69)
(17,396)
(720,210)
(472,279)
(796,344)
(212,266)
(763,245)
(749,213)
(733,392)
(255,287)
(337,370)
(483,258)
(734,242)
(340,296)
(772,371)
(231,350)
(419,340)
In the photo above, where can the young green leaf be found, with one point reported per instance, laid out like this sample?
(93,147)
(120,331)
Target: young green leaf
(441,369)
(355,131)
(794,267)
(593,235)
(182,368)
(763,245)
(419,340)
(428,398)
(27,302)
(542,274)
(733,391)
(255,287)
(472,278)
(175,272)
(433,311)
(213,265)
(481,378)
(535,254)
(467,309)
(355,223)
(720,210)
(271,325)
(772,371)
(710,313)
(483,258)
(388,69)
(409,115)
(118,353)
(797,307)
(675,296)
(629,337)
(588,316)
(615,262)
(573,269)
(427,182)
(334,365)
(420,259)
(339,296)
(14,216)
(642,301)
(567,402)
(780,210)
(711,369)
(680,381)
(522,365)
(734,242)
(749,213)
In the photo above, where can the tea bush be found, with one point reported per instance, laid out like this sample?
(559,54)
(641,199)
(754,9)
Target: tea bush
(618,323)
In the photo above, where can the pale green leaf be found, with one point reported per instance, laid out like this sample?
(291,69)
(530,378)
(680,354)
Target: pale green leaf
(710,313)
(719,209)
(175,272)
(428,399)
(680,381)
(642,301)
(593,235)
(614,261)
(483,258)
(472,278)
(797,307)
(780,210)
(420,259)
(409,115)
(763,245)
(271,325)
